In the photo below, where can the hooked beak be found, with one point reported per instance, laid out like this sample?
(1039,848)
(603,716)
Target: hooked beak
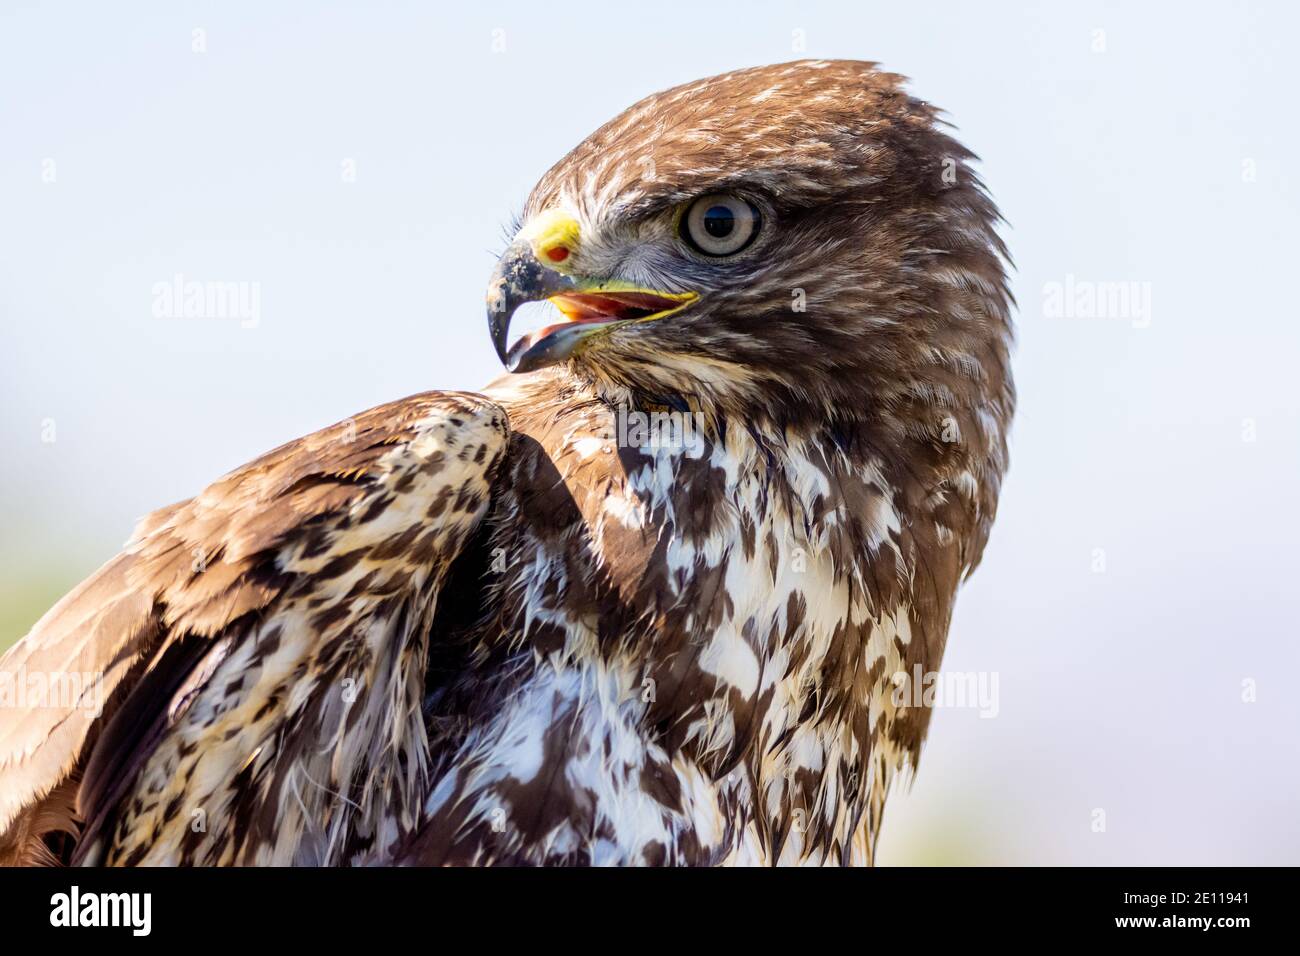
(589,307)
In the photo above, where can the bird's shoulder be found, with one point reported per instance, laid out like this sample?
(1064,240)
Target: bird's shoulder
(395,489)
(383,483)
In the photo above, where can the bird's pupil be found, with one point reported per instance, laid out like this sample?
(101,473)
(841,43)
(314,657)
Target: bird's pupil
(719,221)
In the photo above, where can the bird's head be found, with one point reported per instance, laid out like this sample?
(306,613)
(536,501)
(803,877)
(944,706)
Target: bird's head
(799,238)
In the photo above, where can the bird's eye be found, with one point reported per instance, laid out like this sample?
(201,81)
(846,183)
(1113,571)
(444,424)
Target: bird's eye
(720,225)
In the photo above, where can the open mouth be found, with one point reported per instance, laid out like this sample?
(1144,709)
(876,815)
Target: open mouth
(607,306)
(587,312)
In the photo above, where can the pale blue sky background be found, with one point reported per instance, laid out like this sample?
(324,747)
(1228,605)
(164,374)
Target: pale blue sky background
(1169,158)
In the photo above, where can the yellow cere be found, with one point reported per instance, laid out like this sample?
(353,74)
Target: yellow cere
(553,235)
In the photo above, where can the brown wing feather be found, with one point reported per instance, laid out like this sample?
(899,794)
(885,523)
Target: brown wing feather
(192,571)
(99,629)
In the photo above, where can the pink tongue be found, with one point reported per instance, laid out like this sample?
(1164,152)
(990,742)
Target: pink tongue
(612,305)
(642,300)
(593,307)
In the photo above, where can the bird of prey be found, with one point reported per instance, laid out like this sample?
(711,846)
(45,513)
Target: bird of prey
(647,599)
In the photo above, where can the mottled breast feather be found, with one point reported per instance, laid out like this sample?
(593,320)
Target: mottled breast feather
(242,638)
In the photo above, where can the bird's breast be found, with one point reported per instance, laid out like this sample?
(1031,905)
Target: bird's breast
(678,605)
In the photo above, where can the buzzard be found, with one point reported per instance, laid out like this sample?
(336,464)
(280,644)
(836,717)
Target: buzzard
(646,599)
